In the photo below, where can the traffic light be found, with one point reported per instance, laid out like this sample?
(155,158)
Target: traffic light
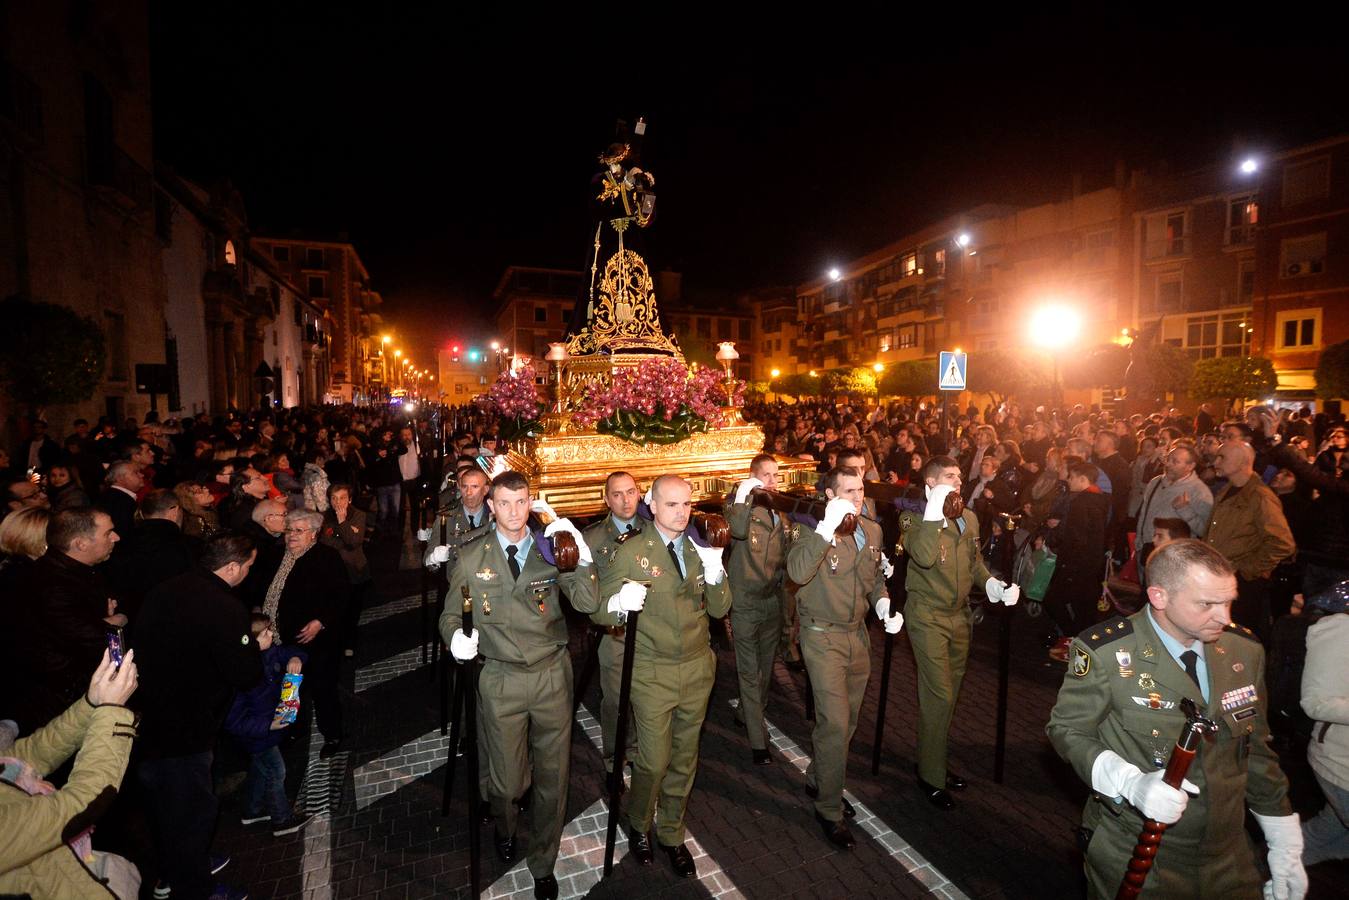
(455,349)
(473,356)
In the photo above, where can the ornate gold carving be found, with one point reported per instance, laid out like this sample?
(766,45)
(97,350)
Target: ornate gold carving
(625,316)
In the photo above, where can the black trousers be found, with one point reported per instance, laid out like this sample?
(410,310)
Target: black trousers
(412,502)
(320,681)
(183,811)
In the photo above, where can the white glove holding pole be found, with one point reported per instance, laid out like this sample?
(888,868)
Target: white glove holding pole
(1006,594)
(631,597)
(646,498)
(743,491)
(438,555)
(713,569)
(1113,776)
(423,534)
(540,507)
(892,623)
(936,499)
(834,512)
(464,647)
(887,567)
(1287,876)
(587,558)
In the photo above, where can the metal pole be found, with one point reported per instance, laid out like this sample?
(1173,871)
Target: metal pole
(620,740)
(1004,663)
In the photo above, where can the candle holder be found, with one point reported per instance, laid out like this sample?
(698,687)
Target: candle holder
(557,355)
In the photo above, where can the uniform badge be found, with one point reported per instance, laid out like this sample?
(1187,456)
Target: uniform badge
(1081,662)
(1238,667)
(487,574)
(1218,649)
(486,607)
(1238,697)
(1125,663)
(796,532)
(644,562)
(1154,701)
(244,640)
(655,570)
(1146,682)
(1147,651)
(753,539)
(833,562)
(906,522)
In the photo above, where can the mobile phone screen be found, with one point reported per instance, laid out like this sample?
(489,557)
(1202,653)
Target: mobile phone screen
(115,646)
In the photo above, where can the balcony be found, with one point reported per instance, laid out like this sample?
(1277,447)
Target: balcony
(1167,248)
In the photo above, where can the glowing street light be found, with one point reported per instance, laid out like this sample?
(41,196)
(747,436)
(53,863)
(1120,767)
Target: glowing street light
(1249,166)
(496,345)
(963,240)
(878,368)
(835,274)
(1053,327)
(775,373)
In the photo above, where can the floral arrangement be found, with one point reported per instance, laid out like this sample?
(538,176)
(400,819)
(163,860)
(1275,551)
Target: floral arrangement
(515,398)
(659,401)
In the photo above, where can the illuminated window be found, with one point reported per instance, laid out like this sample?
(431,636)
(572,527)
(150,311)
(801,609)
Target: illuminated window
(230,258)
(1164,235)
(1242,214)
(1299,329)
(938,267)
(908,264)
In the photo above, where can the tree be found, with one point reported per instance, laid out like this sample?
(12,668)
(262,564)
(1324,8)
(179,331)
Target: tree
(1233,378)
(1332,372)
(51,353)
(1101,366)
(1001,374)
(858,380)
(1155,370)
(912,378)
(797,385)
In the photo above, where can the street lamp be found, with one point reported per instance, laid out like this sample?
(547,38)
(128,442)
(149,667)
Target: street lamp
(1249,165)
(835,274)
(878,368)
(962,240)
(1054,327)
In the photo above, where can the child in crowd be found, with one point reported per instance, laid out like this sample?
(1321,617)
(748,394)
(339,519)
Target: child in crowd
(1164,530)
(253,722)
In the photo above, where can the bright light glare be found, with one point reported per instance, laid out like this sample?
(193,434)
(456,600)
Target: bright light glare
(1055,326)
(496,345)
(963,239)
(835,274)
(878,368)
(1248,166)
(776,372)
(409,406)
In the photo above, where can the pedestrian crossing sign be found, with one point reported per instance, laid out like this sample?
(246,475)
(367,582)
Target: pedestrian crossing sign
(951,371)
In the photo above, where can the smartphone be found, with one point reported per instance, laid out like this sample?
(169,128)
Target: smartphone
(115,645)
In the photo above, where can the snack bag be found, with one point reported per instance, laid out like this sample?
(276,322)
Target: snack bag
(289,707)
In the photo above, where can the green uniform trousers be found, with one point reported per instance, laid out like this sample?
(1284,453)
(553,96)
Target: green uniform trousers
(791,626)
(669,703)
(839,663)
(941,647)
(611,684)
(756,623)
(525,713)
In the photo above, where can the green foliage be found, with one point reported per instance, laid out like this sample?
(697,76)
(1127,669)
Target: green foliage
(798,385)
(1332,372)
(858,380)
(1002,374)
(912,378)
(1156,370)
(50,354)
(640,428)
(1100,366)
(1233,378)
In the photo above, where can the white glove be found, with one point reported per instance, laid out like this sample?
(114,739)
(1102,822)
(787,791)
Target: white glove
(892,623)
(743,491)
(1001,593)
(713,569)
(887,567)
(587,558)
(437,555)
(631,597)
(1288,878)
(1011,594)
(833,517)
(464,647)
(423,534)
(542,508)
(646,498)
(1113,776)
(936,498)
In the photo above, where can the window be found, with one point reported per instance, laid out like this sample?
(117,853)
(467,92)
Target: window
(1299,329)
(1170,293)
(704,327)
(1301,256)
(299,314)
(1213,335)
(907,336)
(1306,181)
(746,332)
(318,286)
(313,258)
(98,131)
(938,267)
(281,253)
(777,344)
(540,314)
(1098,244)
(1246,280)
(116,346)
(908,264)
(230,258)
(566,317)
(1242,214)
(1164,235)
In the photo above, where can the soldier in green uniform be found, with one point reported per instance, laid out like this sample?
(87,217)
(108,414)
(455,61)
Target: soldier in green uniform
(757,571)
(841,578)
(1118,716)
(676,585)
(621,496)
(525,688)
(944,565)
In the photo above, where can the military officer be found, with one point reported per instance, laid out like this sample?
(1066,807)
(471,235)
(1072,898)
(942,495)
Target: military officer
(525,688)
(757,572)
(841,578)
(621,496)
(1118,716)
(944,564)
(676,585)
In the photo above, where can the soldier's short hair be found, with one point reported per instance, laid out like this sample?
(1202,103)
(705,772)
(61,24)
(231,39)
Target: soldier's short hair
(619,474)
(760,460)
(473,470)
(509,480)
(1170,564)
(834,475)
(934,466)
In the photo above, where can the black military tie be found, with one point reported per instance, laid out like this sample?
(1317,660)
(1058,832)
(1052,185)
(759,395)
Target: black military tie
(511,550)
(1191,660)
(472,522)
(674,557)
(628,528)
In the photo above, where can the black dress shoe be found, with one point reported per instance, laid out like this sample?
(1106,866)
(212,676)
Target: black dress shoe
(848,812)
(681,860)
(954,782)
(761,757)
(329,748)
(545,888)
(639,842)
(505,847)
(938,797)
(836,833)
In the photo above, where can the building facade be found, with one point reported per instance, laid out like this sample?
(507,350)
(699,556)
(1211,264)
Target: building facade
(534,307)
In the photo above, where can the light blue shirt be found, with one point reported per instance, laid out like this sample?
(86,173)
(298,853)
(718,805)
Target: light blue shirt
(678,546)
(623,524)
(1176,648)
(522,549)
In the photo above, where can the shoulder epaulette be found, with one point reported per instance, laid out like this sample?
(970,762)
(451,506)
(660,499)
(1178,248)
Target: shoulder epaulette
(1105,632)
(626,536)
(1240,631)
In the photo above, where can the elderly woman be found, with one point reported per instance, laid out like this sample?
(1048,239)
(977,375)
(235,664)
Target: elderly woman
(344,530)
(307,600)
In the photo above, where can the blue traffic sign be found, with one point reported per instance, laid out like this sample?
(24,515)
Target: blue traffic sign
(951,371)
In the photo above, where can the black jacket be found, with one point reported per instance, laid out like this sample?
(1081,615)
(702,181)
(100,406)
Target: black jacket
(271,547)
(154,551)
(1327,541)
(120,507)
(194,649)
(384,471)
(316,588)
(1079,542)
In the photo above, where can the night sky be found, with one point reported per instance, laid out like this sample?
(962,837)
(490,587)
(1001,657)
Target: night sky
(449,148)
